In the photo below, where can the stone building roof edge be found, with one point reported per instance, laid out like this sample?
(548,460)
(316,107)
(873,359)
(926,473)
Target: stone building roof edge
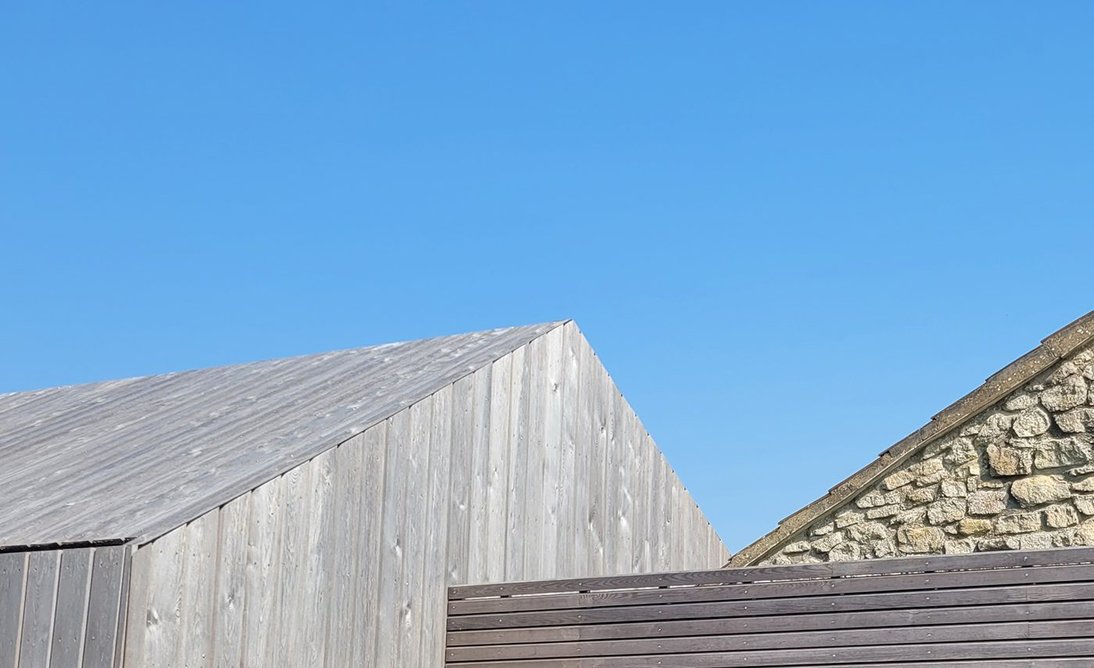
(1052,349)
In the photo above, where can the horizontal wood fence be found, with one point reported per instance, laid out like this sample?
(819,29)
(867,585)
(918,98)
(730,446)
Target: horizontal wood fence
(1001,609)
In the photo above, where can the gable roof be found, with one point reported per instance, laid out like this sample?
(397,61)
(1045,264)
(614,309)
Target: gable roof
(996,388)
(133,459)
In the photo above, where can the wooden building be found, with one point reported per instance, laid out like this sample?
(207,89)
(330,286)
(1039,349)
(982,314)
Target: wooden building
(312,511)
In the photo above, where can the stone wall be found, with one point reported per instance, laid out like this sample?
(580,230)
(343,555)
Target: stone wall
(1020,475)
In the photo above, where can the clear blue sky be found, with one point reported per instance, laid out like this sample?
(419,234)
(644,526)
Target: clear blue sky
(793,231)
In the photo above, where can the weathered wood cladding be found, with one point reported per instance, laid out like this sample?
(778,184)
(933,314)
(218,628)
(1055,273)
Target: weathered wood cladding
(999,609)
(533,466)
(62,607)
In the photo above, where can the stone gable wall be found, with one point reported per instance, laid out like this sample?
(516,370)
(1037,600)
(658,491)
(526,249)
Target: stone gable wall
(1018,476)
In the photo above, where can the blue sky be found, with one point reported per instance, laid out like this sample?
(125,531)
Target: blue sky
(792,231)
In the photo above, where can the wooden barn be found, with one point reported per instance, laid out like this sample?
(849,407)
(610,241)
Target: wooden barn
(312,511)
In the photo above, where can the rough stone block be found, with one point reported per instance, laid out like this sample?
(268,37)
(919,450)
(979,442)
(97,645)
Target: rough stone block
(959,546)
(897,495)
(927,467)
(1034,541)
(1071,392)
(898,479)
(797,547)
(1008,461)
(932,479)
(1061,516)
(826,543)
(1020,402)
(1084,485)
(1076,420)
(973,527)
(1074,450)
(991,544)
(920,540)
(1031,422)
(962,451)
(883,548)
(845,552)
(1084,504)
(1017,523)
(1039,489)
(868,532)
(1046,457)
(951,488)
(946,510)
(847,518)
(1084,535)
(922,495)
(883,511)
(870,499)
(910,516)
(987,502)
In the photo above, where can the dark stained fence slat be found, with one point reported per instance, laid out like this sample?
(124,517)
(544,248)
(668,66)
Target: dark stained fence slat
(875,584)
(999,610)
(12,578)
(783,606)
(973,651)
(836,621)
(793,640)
(986,560)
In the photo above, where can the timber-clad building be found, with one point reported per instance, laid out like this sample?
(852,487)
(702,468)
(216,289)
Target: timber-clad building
(312,511)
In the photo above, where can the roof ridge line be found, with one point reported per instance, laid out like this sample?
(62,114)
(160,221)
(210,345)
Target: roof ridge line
(1052,349)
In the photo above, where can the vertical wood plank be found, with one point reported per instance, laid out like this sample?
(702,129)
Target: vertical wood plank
(459,494)
(535,502)
(552,453)
(104,606)
(479,549)
(411,589)
(643,496)
(70,618)
(598,471)
(38,607)
(518,465)
(199,577)
(319,554)
(261,588)
(610,472)
(374,509)
(566,492)
(293,571)
(675,517)
(497,482)
(435,574)
(392,559)
(347,585)
(620,483)
(13,569)
(231,596)
(663,485)
(155,601)
(580,433)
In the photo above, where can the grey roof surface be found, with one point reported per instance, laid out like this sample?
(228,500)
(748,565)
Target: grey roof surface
(136,458)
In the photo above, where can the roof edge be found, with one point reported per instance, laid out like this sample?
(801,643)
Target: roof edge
(156,530)
(1053,348)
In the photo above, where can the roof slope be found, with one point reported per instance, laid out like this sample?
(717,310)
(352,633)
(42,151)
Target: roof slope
(995,389)
(136,458)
